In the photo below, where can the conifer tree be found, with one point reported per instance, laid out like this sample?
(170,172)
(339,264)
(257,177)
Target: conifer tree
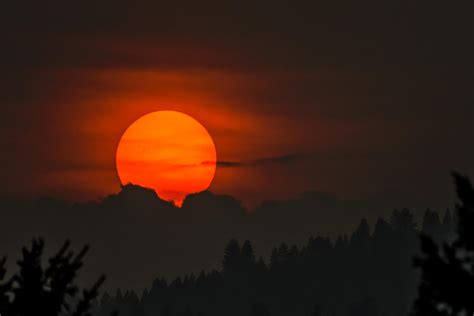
(51,290)
(232,255)
(447,280)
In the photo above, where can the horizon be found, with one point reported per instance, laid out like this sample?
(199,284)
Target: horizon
(149,220)
(248,208)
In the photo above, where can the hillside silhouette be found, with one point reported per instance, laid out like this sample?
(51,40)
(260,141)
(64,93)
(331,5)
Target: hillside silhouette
(370,271)
(136,230)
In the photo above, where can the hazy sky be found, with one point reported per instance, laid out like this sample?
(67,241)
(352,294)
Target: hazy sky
(362,99)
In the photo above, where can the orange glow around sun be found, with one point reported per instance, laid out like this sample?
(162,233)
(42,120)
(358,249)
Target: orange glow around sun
(169,152)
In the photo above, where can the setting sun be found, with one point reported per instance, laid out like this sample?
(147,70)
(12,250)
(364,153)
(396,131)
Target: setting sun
(169,152)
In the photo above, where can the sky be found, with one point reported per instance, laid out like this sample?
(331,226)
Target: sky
(365,100)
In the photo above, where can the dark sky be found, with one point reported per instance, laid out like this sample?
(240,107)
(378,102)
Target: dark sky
(361,99)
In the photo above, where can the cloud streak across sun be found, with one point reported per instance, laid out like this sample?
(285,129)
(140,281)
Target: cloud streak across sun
(282,160)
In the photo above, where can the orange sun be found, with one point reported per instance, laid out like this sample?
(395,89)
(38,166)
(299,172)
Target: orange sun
(169,152)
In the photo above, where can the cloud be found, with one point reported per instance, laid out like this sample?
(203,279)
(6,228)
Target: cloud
(231,164)
(281,160)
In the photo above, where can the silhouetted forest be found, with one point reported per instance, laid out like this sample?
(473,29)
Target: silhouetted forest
(371,273)
(135,230)
(367,273)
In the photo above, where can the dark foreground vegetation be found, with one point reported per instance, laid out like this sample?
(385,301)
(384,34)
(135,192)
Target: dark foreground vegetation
(370,273)
(362,275)
(46,290)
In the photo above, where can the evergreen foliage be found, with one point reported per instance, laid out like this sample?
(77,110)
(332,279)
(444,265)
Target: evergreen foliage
(51,290)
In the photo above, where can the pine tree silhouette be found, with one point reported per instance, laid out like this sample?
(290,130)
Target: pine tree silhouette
(447,281)
(431,223)
(361,236)
(232,253)
(36,290)
(247,254)
(403,220)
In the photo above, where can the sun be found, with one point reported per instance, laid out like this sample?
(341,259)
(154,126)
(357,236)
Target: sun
(169,152)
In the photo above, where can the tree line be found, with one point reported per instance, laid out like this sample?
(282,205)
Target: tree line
(367,273)
(394,269)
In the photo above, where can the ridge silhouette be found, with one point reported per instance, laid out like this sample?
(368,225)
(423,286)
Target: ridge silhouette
(368,272)
(123,226)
